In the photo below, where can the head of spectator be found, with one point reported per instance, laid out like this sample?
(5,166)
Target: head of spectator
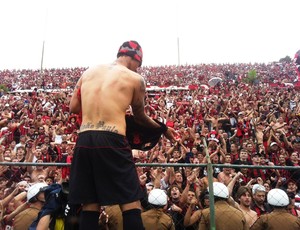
(20,153)
(267,185)
(204,199)
(142,156)
(263,160)
(296,143)
(49,180)
(39,117)
(23,185)
(243,155)
(22,139)
(191,197)
(194,152)
(259,194)
(63,146)
(234,149)
(249,147)
(281,159)
(178,178)
(274,147)
(47,139)
(294,158)
(174,193)
(39,167)
(256,158)
(175,155)
(149,187)
(27,178)
(31,131)
(15,167)
(228,158)
(278,198)
(41,130)
(7,153)
(244,196)
(200,157)
(157,198)
(227,170)
(292,186)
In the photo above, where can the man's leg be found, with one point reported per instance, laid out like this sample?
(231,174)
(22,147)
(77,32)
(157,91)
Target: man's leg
(89,217)
(132,216)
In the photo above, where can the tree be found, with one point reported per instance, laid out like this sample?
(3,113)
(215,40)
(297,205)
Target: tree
(286,59)
(3,88)
(251,78)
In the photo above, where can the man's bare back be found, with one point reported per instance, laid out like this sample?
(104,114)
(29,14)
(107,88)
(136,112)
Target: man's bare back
(106,92)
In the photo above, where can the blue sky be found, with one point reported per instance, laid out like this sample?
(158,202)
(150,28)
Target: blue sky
(85,33)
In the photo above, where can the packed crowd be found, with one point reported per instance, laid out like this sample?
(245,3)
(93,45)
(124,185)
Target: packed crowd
(235,122)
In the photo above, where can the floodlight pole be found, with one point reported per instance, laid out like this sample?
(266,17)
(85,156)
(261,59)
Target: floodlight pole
(42,61)
(178,51)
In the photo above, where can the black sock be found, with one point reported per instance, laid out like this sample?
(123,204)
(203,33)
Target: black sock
(132,220)
(89,220)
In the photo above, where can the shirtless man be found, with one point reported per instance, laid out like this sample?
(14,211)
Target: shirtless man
(244,199)
(225,176)
(103,171)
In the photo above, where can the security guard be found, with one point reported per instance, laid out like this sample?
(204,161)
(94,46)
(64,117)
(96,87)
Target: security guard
(35,200)
(155,218)
(279,218)
(227,217)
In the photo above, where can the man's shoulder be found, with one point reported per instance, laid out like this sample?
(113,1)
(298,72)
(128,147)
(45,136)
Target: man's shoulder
(119,70)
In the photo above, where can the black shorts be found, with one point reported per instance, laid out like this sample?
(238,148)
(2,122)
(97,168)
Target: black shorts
(103,170)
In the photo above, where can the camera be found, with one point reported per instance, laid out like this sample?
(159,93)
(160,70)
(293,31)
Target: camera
(28,145)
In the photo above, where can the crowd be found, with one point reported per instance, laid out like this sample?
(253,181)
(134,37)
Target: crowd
(235,122)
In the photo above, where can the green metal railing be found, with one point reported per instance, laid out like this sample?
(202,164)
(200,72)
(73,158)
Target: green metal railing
(209,167)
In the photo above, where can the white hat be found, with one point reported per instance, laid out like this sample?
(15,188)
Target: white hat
(34,190)
(258,187)
(157,197)
(278,197)
(273,143)
(220,190)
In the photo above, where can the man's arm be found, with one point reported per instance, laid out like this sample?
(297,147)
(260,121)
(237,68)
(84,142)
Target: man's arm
(138,106)
(138,109)
(44,222)
(75,103)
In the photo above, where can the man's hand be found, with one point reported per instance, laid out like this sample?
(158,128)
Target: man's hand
(171,135)
(143,179)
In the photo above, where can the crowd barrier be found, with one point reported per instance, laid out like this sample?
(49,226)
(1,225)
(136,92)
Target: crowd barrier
(114,212)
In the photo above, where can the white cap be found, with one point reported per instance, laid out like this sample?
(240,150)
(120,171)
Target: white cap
(273,143)
(278,197)
(157,197)
(259,188)
(34,190)
(220,190)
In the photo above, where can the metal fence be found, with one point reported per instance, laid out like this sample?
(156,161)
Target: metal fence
(210,215)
